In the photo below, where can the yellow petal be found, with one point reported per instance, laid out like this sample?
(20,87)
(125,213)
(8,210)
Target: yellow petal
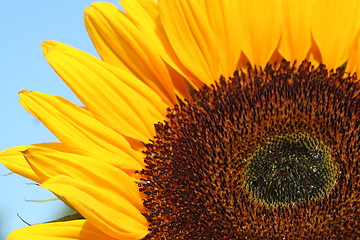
(295,41)
(13,159)
(76,127)
(70,230)
(49,163)
(104,208)
(181,84)
(224,20)
(142,12)
(334,27)
(120,43)
(145,15)
(116,98)
(353,65)
(191,37)
(261,24)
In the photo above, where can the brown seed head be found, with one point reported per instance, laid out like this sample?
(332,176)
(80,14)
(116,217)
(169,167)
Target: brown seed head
(203,164)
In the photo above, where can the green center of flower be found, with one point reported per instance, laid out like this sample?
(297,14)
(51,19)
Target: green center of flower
(290,168)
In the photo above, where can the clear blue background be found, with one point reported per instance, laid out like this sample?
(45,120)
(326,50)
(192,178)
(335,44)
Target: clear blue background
(24,25)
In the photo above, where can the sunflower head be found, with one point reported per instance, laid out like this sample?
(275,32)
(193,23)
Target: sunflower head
(268,152)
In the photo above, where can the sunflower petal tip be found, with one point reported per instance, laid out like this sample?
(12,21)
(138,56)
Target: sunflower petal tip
(25,151)
(89,13)
(24,92)
(88,9)
(48,46)
(94,6)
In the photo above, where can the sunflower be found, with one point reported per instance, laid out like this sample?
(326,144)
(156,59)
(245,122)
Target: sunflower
(203,120)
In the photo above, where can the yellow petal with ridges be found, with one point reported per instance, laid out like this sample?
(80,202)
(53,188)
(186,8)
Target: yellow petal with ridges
(353,65)
(106,209)
(115,97)
(49,163)
(70,230)
(180,83)
(145,15)
(191,37)
(142,12)
(224,20)
(261,25)
(77,128)
(13,159)
(120,43)
(334,27)
(295,41)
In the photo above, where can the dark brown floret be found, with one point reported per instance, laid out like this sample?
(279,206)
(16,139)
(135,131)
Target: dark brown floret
(195,179)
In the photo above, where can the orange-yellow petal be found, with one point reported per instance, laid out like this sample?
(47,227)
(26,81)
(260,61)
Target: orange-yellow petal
(121,43)
(353,64)
(335,25)
(107,210)
(295,41)
(70,230)
(190,36)
(76,127)
(261,25)
(145,15)
(49,163)
(224,20)
(142,12)
(198,42)
(115,97)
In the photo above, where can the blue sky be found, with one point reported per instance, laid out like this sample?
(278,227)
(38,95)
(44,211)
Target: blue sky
(24,25)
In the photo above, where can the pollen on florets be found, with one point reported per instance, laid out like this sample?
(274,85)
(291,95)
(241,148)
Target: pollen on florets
(290,168)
